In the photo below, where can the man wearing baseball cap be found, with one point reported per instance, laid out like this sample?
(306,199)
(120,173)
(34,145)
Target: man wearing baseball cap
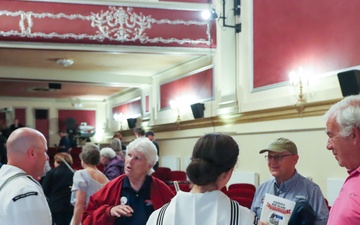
(282,156)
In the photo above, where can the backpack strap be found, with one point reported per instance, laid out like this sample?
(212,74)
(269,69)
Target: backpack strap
(11,178)
(160,219)
(234,217)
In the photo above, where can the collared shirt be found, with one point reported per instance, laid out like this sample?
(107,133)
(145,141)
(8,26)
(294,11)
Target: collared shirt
(22,199)
(346,208)
(139,201)
(297,188)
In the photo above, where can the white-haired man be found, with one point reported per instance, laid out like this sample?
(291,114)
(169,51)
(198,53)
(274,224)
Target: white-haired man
(22,198)
(132,197)
(343,130)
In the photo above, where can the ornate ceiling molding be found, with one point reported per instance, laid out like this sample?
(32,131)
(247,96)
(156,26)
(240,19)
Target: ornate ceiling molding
(108,25)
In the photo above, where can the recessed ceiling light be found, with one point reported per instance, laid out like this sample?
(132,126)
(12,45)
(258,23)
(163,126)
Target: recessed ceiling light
(65,62)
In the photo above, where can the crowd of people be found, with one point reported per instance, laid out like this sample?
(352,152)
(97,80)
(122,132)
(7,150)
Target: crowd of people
(126,193)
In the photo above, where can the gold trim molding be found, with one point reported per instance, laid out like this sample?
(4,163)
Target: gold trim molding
(288,112)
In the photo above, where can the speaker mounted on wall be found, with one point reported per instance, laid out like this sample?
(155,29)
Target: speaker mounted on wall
(198,110)
(55,86)
(131,122)
(349,82)
(41,114)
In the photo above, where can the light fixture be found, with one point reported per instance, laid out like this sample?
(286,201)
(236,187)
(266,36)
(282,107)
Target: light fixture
(65,62)
(209,14)
(175,105)
(76,103)
(119,117)
(298,80)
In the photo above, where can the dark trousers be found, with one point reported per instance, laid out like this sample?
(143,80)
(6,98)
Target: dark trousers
(62,218)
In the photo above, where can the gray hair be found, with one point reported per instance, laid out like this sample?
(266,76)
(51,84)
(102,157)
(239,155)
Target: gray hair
(147,148)
(347,114)
(107,152)
(90,154)
(115,144)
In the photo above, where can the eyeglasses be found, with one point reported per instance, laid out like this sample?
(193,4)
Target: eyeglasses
(277,158)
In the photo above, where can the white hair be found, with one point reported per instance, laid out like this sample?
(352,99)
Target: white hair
(107,152)
(147,148)
(347,114)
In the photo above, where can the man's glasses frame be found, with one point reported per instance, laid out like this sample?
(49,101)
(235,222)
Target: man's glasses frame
(276,158)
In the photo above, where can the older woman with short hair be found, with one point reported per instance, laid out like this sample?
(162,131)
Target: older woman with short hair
(113,163)
(132,197)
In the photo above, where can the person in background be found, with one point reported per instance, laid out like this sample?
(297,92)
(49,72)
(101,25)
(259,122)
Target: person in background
(86,181)
(113,164)
(64,143)
(22,198)
(119,136)
(343,131)
(151,137)
(130,198)
(57,188)
(115,144)
(139,132)
(15,125)
(287,182)
(3,157)
(212,163)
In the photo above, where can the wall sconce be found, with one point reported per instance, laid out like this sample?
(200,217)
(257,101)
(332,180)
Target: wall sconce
(119,117)
(175,105)
(298,80)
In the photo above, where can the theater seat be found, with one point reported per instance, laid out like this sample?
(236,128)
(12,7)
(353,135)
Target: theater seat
(240,193)
(243,201)
(242,186)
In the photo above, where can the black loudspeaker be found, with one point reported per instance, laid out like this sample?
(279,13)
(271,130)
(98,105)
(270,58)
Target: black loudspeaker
(41,114)
(198,110)
(131,122)
(56,86)
(349,82)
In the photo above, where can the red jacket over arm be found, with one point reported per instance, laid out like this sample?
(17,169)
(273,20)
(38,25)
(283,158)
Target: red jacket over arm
(98,210)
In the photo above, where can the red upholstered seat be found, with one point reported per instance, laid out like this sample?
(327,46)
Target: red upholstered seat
(243,201)
(176,175)
(240,193)
(75,152)
(242,186)
(161,173)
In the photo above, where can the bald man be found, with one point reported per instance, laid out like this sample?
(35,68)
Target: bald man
(22,198)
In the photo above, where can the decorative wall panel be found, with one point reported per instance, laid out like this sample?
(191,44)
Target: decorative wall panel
(320,36)
(197,87)
(129,109)
(96,24)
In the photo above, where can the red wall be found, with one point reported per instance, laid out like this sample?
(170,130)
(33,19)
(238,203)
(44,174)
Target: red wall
(198,86)
(129,109)
(88,116)
(320,36)
(20,114)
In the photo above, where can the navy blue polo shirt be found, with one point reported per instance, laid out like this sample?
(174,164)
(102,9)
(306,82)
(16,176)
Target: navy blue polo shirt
(139,201)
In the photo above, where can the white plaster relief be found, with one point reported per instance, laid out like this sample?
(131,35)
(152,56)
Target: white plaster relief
(115,24)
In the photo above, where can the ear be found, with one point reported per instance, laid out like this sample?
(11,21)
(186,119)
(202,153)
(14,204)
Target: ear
(355,135)
(31,152)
